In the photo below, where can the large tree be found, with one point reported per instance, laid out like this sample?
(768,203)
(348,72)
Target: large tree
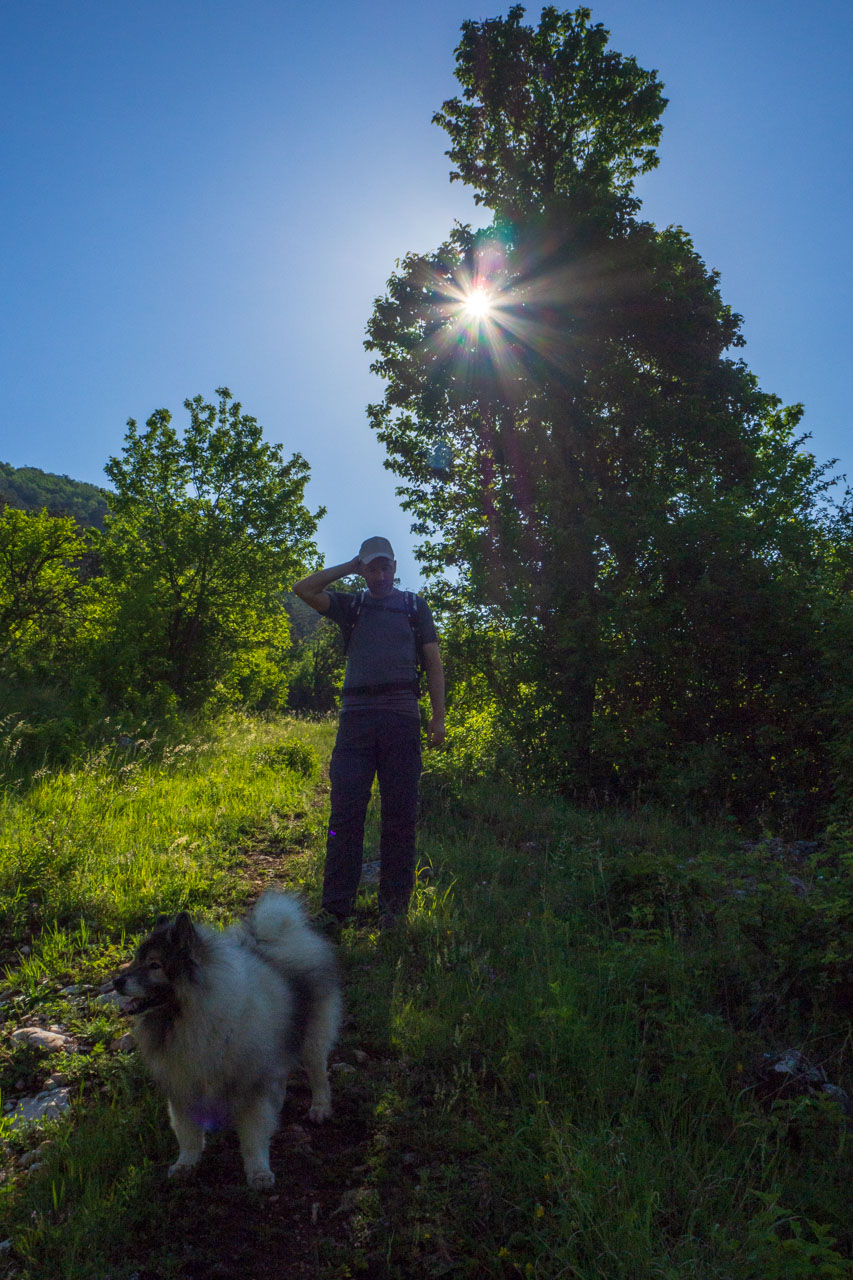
(206,531)
(577,361)
(550,112)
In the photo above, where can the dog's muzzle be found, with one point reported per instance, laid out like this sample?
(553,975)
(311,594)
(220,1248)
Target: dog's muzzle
(132,1006)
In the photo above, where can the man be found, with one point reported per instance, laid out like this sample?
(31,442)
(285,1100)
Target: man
(379,732)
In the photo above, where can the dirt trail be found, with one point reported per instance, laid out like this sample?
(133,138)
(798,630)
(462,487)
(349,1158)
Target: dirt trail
(301,1230)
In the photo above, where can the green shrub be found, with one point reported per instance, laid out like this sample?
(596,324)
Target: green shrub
(298,757)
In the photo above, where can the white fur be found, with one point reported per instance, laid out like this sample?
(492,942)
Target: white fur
(229,1047)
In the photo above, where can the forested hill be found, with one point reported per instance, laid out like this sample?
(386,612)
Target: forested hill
(30,489)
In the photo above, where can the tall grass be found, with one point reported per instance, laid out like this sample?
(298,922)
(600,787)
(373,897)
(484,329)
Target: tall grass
(577,1010)
(141,828)
(561,1042)
(88,856)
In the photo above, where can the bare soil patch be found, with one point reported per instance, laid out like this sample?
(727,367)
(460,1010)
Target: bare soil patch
(298,1231)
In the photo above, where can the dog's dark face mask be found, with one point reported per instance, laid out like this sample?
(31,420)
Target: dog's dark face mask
(167,957)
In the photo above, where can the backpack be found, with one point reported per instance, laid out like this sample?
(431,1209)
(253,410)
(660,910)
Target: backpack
(413,615)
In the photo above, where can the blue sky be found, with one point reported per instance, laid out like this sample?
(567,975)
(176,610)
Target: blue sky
(207,192)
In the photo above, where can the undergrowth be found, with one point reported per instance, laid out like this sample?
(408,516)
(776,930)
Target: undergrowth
(564,1042)
(577,1016)
(141,827)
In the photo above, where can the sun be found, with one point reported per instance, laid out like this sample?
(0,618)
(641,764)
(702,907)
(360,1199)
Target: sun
(478,304)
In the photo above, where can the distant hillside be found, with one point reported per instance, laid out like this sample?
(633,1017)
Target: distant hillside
(30,489)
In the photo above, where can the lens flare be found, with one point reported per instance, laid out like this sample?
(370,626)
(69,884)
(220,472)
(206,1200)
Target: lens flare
(478,304)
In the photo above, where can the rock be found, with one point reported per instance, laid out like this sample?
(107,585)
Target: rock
(44,1106)
(52,1041)
(790,1075)
(30,1159)
(360,1056)
(343,1067)
(349,1202)
(110,998)
(795,1066)
(124,1044)
(370,873)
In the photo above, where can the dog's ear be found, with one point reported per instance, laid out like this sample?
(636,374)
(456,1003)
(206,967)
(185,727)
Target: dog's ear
(183,932)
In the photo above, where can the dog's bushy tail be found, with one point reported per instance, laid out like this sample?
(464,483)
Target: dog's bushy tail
(275,913)
(281,931)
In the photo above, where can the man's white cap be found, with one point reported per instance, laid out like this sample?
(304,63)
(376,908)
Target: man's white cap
(373,548)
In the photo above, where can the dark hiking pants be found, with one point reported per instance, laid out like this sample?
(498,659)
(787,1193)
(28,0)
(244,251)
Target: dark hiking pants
(387,745)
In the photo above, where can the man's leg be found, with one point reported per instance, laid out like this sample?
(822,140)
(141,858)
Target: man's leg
(399,770)
(351,771)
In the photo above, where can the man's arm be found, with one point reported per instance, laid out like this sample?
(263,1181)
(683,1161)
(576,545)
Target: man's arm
(313,588)
(435,687)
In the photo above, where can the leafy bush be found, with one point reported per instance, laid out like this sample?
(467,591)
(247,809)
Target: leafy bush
(298,757)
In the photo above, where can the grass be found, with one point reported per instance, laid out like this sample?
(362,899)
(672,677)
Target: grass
(146,828)
(88,857)
(562,1044)
(574,1016)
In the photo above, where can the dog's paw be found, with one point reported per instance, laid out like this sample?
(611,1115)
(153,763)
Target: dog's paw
(320,1112)
(260,1179)
(182,1169)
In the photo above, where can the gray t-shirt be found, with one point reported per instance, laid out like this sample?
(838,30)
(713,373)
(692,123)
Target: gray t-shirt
(382,649)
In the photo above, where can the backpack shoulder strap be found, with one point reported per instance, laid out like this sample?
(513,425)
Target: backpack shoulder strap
(349,626)
(413,613)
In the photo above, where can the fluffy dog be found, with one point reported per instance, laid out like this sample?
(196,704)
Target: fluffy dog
(220,1019)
